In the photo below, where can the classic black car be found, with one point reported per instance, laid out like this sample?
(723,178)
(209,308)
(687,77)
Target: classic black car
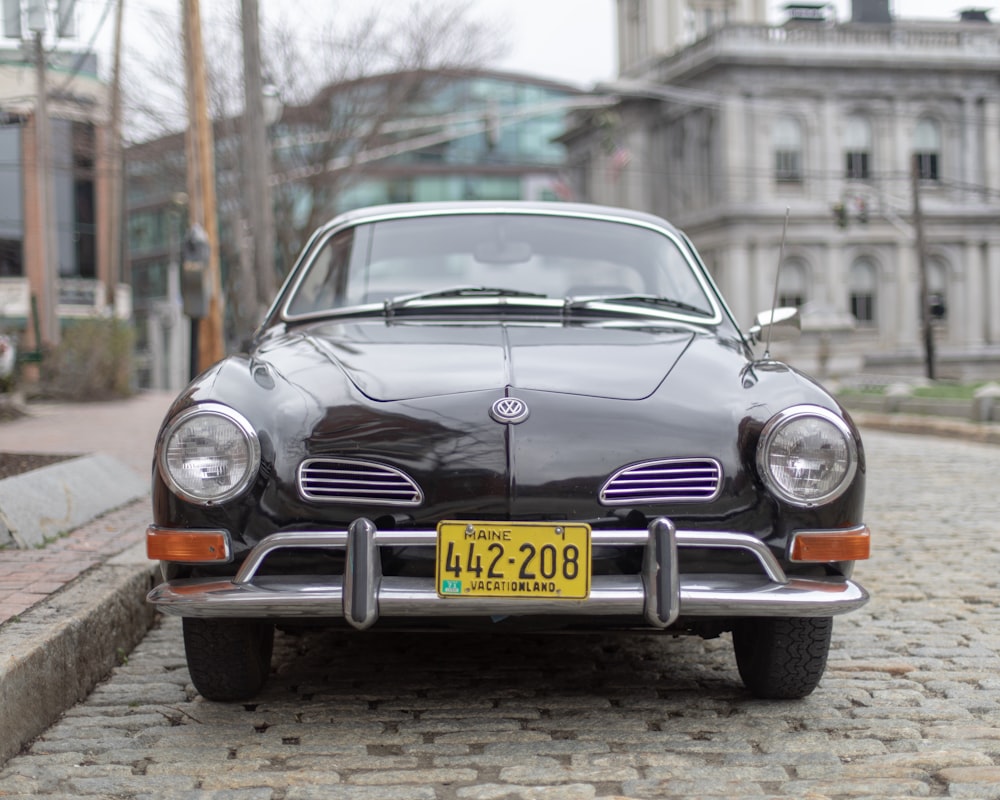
(507,415)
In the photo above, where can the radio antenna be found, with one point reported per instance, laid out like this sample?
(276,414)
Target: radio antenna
(777,276)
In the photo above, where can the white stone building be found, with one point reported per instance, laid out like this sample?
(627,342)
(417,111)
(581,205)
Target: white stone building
(726,122)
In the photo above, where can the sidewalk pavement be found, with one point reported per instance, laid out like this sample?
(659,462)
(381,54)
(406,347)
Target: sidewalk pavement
(71,610)
(123,430)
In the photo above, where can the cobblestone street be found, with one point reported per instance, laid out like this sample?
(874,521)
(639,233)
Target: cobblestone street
(909,707)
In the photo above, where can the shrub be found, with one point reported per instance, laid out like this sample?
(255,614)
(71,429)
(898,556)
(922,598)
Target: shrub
(93,361)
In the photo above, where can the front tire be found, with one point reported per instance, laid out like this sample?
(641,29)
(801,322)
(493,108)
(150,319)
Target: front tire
(782,658)
(229,659)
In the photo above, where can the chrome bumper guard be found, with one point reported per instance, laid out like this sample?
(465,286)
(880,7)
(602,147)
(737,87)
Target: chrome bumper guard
(658,595)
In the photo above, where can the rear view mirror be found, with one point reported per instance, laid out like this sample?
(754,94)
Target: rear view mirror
(503,252)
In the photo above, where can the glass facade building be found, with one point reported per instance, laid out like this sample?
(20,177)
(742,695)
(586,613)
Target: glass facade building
(401,137)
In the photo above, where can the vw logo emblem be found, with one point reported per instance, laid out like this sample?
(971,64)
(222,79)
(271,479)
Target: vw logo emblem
(509,410)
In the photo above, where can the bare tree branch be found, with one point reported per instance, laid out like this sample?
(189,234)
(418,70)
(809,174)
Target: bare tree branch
(341,79)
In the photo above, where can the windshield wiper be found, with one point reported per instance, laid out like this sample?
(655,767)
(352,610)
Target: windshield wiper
(588,302)
(402,300)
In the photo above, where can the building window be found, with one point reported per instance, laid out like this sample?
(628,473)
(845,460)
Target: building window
(863,286)
(11,202)
(927,149)
(792,284)
(858,148)
(788,150)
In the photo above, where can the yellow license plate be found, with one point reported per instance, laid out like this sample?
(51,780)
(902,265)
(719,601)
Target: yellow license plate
(513,559)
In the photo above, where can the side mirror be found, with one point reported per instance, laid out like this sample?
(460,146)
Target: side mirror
(784,323)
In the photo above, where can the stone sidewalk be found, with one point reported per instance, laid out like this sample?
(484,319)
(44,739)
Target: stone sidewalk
(72,609)
(123,430)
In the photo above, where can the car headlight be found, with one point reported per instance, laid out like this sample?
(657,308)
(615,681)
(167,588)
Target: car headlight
(209,454)
(807,455)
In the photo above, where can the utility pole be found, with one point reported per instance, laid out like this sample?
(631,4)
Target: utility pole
(256,168)
(43,275)
(925,298)
(113,273)
(201,183)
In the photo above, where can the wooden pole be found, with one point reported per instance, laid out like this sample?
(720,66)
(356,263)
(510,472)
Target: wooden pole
(112,274)
(45,273)
(201,182)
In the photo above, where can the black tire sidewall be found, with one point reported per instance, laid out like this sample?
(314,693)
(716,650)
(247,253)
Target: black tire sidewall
(782,658)
(228,660)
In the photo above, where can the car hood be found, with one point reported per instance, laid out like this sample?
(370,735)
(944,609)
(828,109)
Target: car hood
(400,361)
(416,397)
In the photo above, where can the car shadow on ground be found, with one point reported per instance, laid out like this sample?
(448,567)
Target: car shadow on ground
(487,670)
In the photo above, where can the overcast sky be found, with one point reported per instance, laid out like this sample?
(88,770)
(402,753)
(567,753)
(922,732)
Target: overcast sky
(574,40)
(565,40)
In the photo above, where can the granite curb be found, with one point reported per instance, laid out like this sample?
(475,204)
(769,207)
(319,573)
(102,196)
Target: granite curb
(40,505)
(983,432)
(74,573)
(59,650)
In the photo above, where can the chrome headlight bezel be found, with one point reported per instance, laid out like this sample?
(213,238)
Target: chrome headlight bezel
(237,484)
(769,439)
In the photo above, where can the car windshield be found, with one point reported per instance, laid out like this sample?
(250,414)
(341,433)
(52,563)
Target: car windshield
(498,258)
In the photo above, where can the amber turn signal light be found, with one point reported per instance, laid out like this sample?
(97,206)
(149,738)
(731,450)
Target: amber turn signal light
(850,544)
(193,547)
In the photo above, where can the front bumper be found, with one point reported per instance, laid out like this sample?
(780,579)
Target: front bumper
(658,595)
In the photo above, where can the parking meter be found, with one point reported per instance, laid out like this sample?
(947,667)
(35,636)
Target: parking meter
(195,286)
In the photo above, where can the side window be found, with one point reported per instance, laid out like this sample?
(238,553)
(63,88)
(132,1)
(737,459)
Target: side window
(927,149)
(857,149)
(788,150)
(863,288)
(323,286)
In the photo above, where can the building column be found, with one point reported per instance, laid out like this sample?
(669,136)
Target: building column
(761,276)
(830,260)
(829,144)
(974,270)
(735,284)
(971,155)
(989,145)
(668,34)
(907,322)
(900,147)
(760,180)
(736,140)
(991,259)
(886,302)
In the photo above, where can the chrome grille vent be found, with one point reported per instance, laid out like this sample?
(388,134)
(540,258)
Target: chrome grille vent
(688,480)
(346,480)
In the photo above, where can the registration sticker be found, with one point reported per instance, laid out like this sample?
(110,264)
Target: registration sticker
(513,559)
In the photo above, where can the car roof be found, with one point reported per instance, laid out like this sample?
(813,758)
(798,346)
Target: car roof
(400,210)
